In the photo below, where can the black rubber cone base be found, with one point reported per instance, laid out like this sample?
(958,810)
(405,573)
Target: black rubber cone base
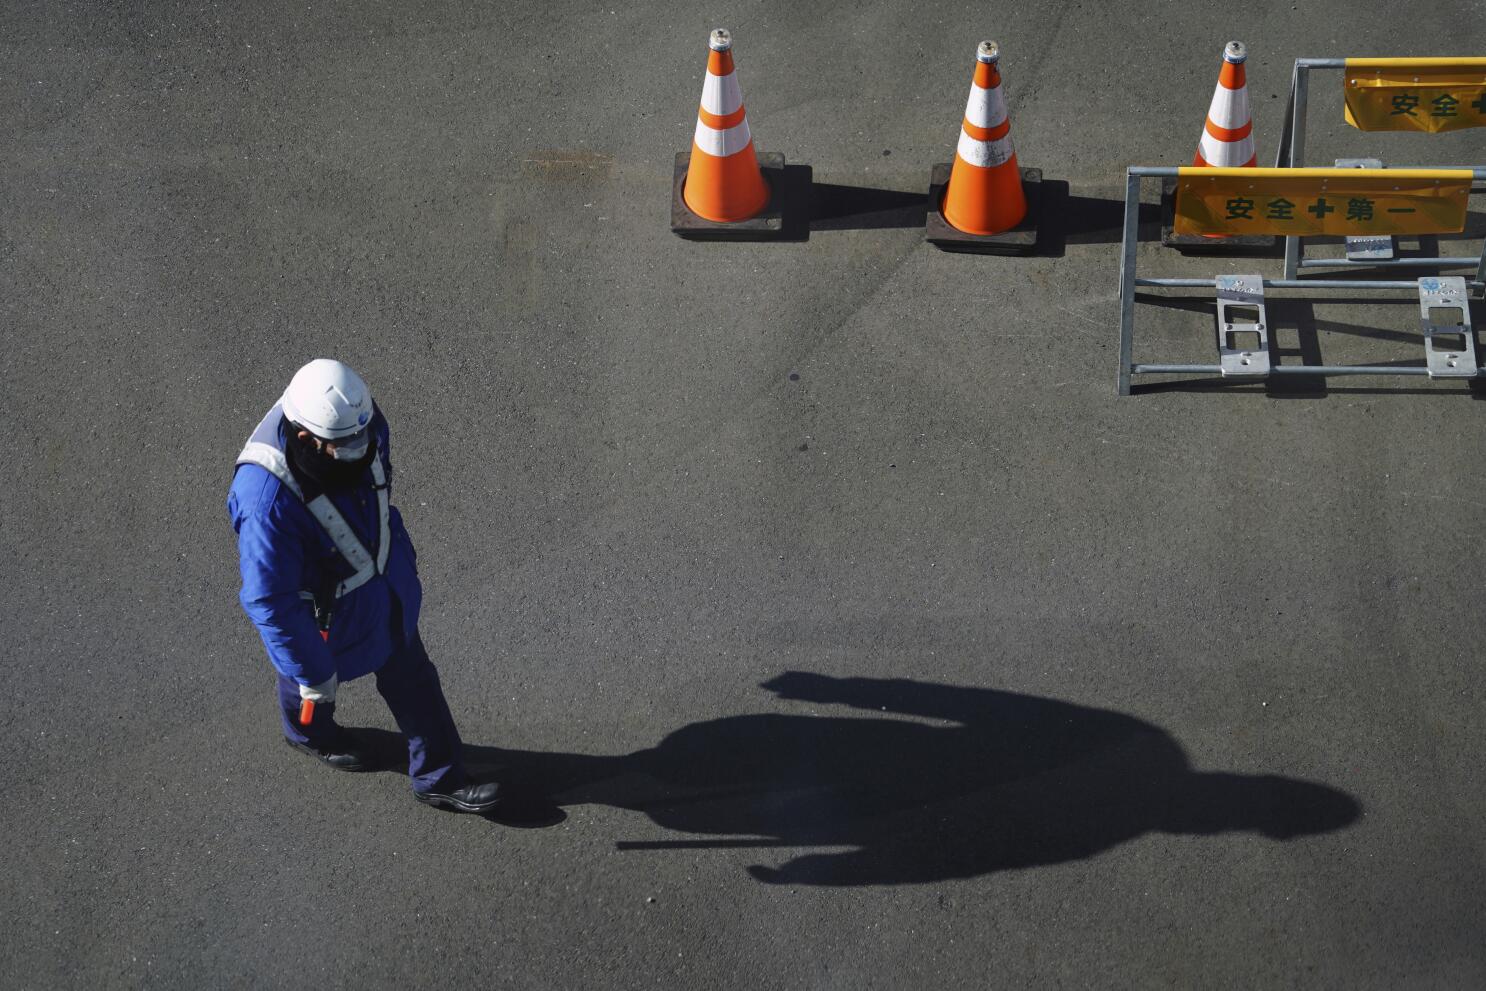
(770,223)
(1020,240)
(1196,244)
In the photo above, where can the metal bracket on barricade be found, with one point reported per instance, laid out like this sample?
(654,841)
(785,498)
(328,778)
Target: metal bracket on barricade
(1243,293)
(1442,300)
(1366,247)
(1226,201)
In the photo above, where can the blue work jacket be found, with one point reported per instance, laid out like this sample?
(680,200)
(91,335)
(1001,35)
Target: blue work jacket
(285,556)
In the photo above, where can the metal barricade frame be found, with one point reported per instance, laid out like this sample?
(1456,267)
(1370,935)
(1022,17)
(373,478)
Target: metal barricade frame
(1130,280)
(1291,154)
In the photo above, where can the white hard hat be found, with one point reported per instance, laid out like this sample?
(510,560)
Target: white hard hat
(328,399)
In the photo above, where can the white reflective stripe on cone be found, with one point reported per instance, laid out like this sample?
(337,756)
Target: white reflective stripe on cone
(721,95)
(1226,154)
(986,107)
(721,144)
(985,154)
(1230,108)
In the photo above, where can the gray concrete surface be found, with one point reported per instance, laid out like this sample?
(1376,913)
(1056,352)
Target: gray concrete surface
(689,517)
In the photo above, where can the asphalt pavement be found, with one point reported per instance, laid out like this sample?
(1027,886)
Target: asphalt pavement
(859,634)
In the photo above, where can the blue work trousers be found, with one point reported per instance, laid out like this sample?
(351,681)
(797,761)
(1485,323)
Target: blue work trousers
(410,685)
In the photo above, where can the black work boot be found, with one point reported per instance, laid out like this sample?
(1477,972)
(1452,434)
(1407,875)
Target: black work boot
(470,798)
(344,752)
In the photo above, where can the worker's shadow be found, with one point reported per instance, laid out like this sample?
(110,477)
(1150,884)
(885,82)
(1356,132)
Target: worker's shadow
(932,782)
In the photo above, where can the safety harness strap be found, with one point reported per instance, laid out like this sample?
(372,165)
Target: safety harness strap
(345,538)
(270,458)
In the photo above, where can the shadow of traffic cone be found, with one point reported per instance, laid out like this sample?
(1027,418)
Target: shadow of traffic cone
(722,187)
(984,202)
(1227,142)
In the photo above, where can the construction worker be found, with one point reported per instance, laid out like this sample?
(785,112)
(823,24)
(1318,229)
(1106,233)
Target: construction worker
(330,579)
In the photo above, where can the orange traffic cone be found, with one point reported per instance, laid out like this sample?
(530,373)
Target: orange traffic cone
(985,186)
(1228,139)
(723,182)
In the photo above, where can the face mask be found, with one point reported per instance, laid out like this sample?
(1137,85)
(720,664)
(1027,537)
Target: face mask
(352,448)
(330,473)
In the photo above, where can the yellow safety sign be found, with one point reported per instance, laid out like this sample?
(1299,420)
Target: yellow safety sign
(1422,94)
(1305,202)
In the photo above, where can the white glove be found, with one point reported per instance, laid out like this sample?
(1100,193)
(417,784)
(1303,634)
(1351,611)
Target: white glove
(323,692)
